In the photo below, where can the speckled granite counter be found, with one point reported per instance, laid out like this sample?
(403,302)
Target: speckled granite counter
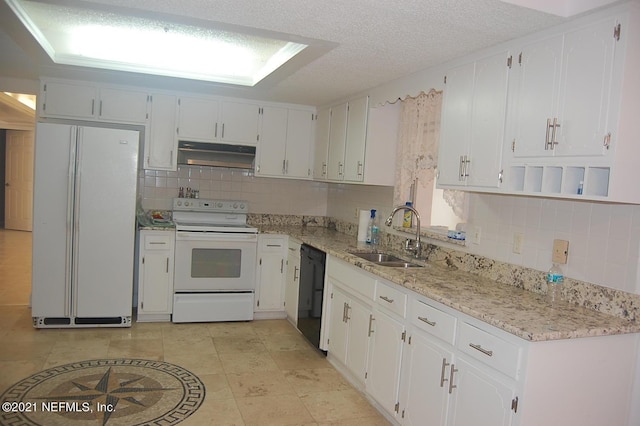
(523,313)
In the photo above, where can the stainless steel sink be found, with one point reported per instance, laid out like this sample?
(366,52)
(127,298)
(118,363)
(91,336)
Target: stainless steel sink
(385,259)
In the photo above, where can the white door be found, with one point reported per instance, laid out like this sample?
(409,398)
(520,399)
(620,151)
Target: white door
(273,142)
(456,125)
(488,118)
(198,119)
(425,382)
(359,318)
(299,143)
(356,140)
(537,82)
(321,144)
(338,328)
(292,285)
(19,180)
(337,142)
(239,123)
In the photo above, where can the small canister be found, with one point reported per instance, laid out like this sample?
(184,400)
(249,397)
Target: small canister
(407,219)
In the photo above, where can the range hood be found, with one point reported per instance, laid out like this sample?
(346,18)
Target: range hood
(216,155)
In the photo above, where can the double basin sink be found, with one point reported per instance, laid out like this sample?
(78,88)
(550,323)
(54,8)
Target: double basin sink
(385,259)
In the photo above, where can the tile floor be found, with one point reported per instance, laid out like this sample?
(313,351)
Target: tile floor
(255,373)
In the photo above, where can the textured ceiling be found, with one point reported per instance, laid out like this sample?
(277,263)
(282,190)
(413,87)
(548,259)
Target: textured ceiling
(377,41)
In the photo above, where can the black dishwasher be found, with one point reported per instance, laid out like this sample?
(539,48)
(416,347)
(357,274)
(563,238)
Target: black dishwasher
(312,263)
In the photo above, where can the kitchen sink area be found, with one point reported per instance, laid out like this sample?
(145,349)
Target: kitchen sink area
(386,259)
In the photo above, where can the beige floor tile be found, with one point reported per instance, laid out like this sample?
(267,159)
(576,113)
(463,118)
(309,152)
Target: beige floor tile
(273,410)
(271,327)
(260,383)
(217,386)
(364,421)
(231,329)
(197,363)
(285,342)
(189,345)
(67,351)
(243,344)
(144,349)
(216,413)
(338,405)
(183,331)
(310,381)
(237,362)
(300,359)
(24,350)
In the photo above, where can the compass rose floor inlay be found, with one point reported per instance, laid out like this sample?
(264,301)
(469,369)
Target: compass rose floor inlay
(110,392)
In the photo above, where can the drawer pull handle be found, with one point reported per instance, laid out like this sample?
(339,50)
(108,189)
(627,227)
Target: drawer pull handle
(451,385)
(157,242)
(426,320)
(386,299)
(445,364)
(370,323)
(481,349)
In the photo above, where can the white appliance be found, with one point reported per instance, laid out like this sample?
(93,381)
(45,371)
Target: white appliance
(83,226)
(215,261)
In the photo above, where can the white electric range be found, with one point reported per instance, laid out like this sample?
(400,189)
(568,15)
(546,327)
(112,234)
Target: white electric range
(215,261)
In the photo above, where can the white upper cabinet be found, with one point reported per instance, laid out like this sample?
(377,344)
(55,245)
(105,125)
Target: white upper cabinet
(286,137)
(203,119)
(161,147)
(239,123)
(354,150)
(562,93)
(473,119)
(337,142)
(198,119)
(81,100)
(321,151)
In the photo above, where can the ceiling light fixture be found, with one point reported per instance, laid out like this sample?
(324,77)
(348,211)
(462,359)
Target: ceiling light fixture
(99,39)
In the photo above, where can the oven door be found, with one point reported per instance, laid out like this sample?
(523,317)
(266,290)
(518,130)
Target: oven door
(215,262)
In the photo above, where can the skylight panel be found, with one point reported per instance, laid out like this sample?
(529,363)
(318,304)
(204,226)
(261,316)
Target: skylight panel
(101,39)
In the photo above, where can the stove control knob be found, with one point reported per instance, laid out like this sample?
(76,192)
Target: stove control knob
(179,203)
(235,205)
(219,205)
(186,203)
(242,206)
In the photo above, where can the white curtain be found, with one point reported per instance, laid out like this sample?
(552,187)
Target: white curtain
(417,156)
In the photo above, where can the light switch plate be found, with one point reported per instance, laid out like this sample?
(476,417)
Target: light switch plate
(560,251)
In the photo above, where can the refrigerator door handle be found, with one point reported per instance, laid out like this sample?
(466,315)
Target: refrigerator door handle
(71,179)
(76,221)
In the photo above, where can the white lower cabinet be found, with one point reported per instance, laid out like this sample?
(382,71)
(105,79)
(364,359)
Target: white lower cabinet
(155,275)
(438,366)
(292,285)
(349,332)
(271,274)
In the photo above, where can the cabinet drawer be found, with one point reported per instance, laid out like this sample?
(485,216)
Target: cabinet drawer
(433,321)
(352,278)
(158,242)
(392,299)
(272,244)
(490,349)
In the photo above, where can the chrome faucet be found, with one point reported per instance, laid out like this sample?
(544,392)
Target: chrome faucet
(417,248)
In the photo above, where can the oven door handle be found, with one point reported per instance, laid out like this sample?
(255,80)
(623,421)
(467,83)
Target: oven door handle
(213,236)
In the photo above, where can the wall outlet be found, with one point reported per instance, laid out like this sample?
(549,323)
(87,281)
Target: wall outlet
(560,251)
(518,238)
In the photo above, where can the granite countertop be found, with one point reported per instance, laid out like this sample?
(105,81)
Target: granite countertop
(520,312)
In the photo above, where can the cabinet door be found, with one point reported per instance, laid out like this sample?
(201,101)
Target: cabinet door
(321,150)
(198,119)
(359,318)
(384,360)
(123,106)
(478,398)
(69,100)
(273,142)
(292,285)
(337,141)
(455,131)
(338,327)
(161,146)
(299,141)
(536,82)
(487,121)
(425,382)
(156,285)
(356,139)
(585,94)
(271,273)
(239,123)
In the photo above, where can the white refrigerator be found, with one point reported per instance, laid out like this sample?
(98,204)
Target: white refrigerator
(83,226)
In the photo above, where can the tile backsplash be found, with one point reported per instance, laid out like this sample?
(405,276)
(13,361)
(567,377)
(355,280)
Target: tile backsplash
(265,195)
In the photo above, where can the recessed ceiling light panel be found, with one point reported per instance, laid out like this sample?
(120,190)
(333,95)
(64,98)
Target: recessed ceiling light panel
(100,39)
